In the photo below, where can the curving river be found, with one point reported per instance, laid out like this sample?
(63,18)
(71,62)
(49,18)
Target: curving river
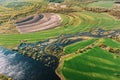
(20,67)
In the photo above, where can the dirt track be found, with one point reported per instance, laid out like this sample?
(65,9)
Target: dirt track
(38,22)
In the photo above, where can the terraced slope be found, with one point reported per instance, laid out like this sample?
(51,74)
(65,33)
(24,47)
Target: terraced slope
(80,45)
(103,4)
(95,64)
(38,22)
(10,10)
(71,23)
(74,47)
(2,77)
(111,43)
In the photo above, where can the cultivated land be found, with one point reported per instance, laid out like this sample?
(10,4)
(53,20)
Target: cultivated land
(74,47)
(71,23)
(95,64)
(112,43)
(79,45)
(92,64)
(102,4)
(81,57)
(38,22)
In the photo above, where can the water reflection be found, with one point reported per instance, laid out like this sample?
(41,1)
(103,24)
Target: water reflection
(20,67)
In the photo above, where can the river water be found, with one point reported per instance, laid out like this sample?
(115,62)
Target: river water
(20,67)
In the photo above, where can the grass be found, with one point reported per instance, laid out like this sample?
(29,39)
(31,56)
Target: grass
(111,43)
(79,45)
(96,64)
(12,9)
(104,4)
(72,23)
(17,5)
(2,77)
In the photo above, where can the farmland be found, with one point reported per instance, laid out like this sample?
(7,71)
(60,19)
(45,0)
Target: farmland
(103,4)
(74,47)
(89,66)
(75,39)
(71,23)
(111,43)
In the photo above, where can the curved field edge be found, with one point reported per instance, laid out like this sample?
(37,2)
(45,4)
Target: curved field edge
(38,22)
(71,23)
(3,77)
(8,15)
(106,41)
(112,43)
(103,4)
(82,44)
(89,66)
(79,45)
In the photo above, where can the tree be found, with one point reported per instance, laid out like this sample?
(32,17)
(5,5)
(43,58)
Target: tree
(57,1)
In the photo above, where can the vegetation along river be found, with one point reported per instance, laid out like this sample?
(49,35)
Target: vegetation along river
(20,67)
(38,61)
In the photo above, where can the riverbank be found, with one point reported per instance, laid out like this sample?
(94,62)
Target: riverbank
(61,62)
(72,55)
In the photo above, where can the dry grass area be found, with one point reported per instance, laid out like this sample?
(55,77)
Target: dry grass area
(8,28)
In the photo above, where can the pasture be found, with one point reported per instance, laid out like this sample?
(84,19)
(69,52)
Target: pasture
(79,45)
(111,43)
(95,64)
(82,60)
(102,4)
(71,23)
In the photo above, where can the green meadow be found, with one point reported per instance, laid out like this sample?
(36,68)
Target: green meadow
(111,43)
(79,45)
(95,64)
(103,4)
(71,23)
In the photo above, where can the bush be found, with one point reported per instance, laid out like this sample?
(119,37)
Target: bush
(57,1)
